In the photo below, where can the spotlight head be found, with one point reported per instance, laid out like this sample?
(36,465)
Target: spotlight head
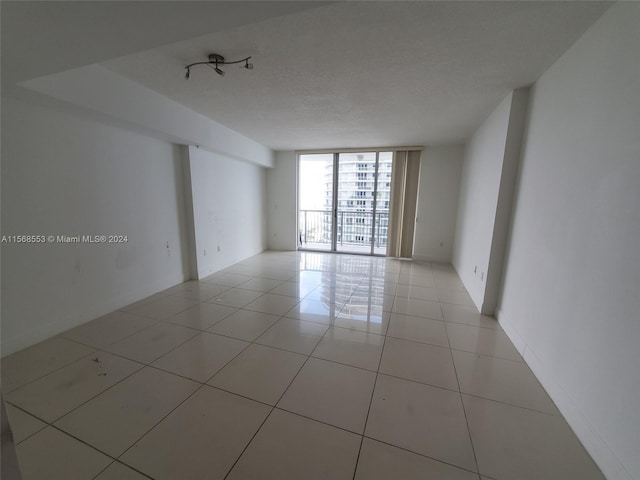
(249,66)
(188,74)
(219,72)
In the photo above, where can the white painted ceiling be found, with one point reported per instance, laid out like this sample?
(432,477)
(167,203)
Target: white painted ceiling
(344,74)
(45,37)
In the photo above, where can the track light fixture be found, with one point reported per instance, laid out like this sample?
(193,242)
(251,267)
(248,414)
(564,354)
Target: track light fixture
(215,61)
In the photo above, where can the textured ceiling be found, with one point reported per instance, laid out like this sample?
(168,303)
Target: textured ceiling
(367,73)
(44,37)
(345,74)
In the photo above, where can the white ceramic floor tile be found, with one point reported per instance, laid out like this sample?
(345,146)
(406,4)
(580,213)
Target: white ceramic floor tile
(260,284)
(261,373)
(294,335)
(331,393)
(22,424)
(377,286)
(419,293)
(108,329)
(153,342)
(418,280)
(144,301)
(328,294)
(448,282)
(468,316)
(34,362)
(293,289)
(379,461)
(292,447)
(202,438)
(314,311)
(417,308)
(336,308)
(58,393)
(280,274)
(513,442)
(351,347)
(455,297)
(163,307)
(272,304)
(363,319)
(236,297)
(366,296)
(227,279)
(309,278)
(419,362)
(245,325)
(502,380)
(418,329)
(201,357)
(196,290)
(202,316)
(52,455)
(117,418)
(118,471)
(485,341)
(249,270)
(420,418)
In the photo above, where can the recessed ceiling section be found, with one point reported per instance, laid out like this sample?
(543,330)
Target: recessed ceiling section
(367,73)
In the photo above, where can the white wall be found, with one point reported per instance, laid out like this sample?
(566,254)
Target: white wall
(64,175)
(282,202)
(486,197)
(571,295)
(134,106)
(440,169)
(479,188)
(229,198)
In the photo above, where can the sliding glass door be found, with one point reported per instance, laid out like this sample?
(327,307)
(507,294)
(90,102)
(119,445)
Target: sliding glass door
(344,201)
(315,202)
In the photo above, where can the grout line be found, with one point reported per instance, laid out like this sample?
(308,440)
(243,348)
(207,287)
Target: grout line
(284,391)
(464,411)
(422,455)
(142,365)
(356,282)
(373,391)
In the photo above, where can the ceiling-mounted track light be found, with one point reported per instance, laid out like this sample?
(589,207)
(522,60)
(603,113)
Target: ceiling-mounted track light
(215,61)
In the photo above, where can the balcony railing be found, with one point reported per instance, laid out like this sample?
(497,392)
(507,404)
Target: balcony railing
(353,229)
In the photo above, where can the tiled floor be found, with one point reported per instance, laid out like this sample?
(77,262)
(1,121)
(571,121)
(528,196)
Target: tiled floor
(290,366)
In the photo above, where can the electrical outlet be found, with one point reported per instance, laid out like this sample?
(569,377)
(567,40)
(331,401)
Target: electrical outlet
(204,252)
(218,247)
(475,269)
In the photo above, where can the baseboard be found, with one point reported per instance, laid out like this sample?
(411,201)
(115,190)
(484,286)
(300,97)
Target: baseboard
(595,445)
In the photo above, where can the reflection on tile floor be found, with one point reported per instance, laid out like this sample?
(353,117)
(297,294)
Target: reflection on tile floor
(290,365)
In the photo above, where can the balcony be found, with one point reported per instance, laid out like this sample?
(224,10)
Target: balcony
(353,231)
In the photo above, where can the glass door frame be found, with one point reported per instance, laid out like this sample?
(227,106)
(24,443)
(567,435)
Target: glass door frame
(336,183)
(335,200)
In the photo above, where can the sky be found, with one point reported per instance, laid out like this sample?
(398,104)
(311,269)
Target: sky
(312,170)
